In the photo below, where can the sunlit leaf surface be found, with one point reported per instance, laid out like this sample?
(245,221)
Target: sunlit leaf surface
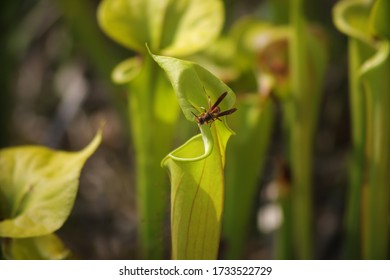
(38,187)
(170,27)
(46,247)
(197,168)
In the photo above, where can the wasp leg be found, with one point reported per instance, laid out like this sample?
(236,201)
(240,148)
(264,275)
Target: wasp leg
(196,117)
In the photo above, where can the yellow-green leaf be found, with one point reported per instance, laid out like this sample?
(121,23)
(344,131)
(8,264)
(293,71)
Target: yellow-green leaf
(177,28)
(197,168)
(38,187)
(127,70)
(46,247)
(351,17)
(366,24)
(193,85)
(380,19)
(197,189)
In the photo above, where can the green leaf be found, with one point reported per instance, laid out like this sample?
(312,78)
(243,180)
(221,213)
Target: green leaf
(197,188)
(351,17)
(177,28)
(375,77)
(125,22)
(46,247)
(365,21)
(197,167)
(193,84)
(380,19)
(38,187)
(127,70)
(153,113)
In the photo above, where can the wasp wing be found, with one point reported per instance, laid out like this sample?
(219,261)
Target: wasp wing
(219,100)
(227,112)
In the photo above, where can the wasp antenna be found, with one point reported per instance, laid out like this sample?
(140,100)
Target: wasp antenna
(196,117)
(208,96)
(204,89)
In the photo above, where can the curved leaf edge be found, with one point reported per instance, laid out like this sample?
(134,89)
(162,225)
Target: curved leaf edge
(380,57)
(86,152)
(343,25)
(126,70)
(208,144)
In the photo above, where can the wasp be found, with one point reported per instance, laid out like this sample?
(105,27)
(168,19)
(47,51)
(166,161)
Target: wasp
(214,112)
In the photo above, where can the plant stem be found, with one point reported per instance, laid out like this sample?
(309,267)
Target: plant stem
(358,120)
(376,228)
(152,141)
(301,129)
